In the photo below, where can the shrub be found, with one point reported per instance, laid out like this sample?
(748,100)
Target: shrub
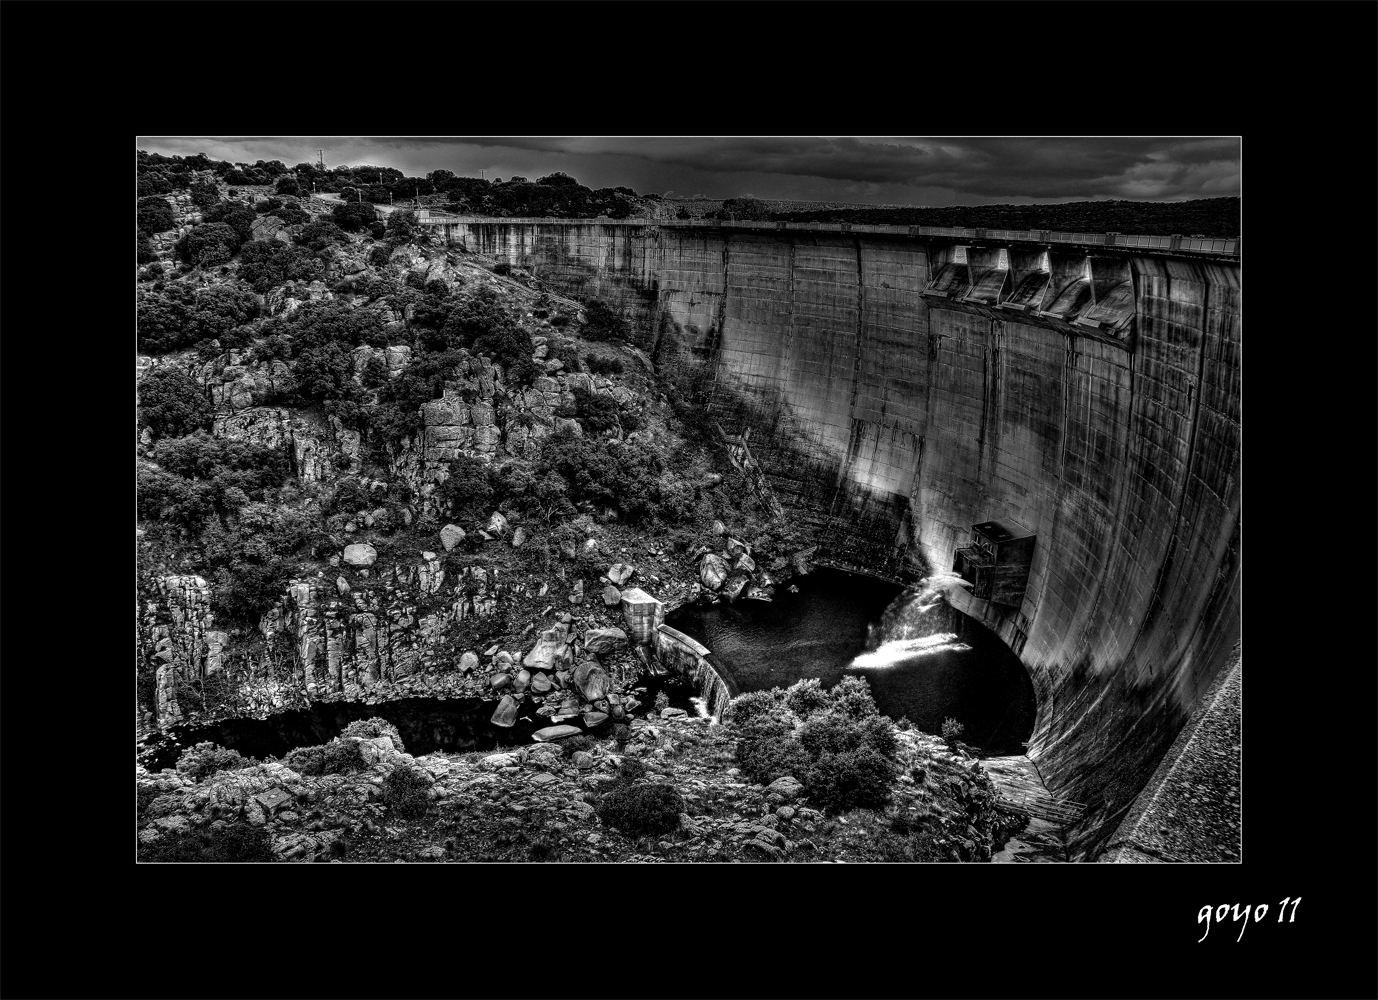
(155,270)
(292,214)
(467,487)
(853,779)
(952,731)
(852,697)
(630,770)
(682,213)
(806,697)
(569,747)
(204,194)
(596,413)
(341,757)
(747,708)
(232,842)
(155,215)
(205,759)
(371,729)
(400,227)
(621,734)
(502,267)
(767,750)
(641,810)
(662,701)
(268,206)
(354,216)
(171,403)
(405,792)
(835,733)
(287,185)
(380,255)
(603,322)
(306,760)
(319,236)
(603,366)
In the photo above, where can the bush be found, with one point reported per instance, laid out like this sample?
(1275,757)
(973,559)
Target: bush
(205,759)
(341,757)
(155,215)
(952,731)
(596,413)
(371,729)
(292,214)
(171,403)
(630,770)
(603,366)
(287,185)
(621,734)
(380,255)
(265,264)
(603,322)
(852,697)
(854,779)
(806,697)
(662,701)
(354,216)
(835,733)
(502,267)
(466,489)
(404,792)
(766,751)
(230,843)
(747,708)
(641,810)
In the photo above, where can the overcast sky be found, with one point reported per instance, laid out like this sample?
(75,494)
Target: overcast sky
(895,171)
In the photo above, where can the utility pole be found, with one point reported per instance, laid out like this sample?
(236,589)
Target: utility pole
(320,159)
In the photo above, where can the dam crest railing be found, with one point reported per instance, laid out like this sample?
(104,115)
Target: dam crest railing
(1228,248)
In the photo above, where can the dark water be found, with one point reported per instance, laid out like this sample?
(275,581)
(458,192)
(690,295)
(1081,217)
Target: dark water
(425,725)
(924,660)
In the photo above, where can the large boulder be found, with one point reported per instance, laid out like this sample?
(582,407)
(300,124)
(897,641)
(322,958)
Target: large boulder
(497,525)
(506,713)
(554,733)
(744,564)
(736,583)
(450,536)
(620,573)
(786,787)
(612,597)
(603,641)
(550,652)
(712,570)
(592,681)
(361,554)
(518,538)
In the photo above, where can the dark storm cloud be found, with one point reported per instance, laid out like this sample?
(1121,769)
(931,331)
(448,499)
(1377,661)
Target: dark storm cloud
(932,171)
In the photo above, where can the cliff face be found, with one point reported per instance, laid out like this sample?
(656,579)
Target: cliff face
(895,421)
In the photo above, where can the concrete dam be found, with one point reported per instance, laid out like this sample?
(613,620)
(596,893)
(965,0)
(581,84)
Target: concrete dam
(1053,416)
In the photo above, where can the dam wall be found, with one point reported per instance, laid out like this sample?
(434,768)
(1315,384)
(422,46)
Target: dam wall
(897,390)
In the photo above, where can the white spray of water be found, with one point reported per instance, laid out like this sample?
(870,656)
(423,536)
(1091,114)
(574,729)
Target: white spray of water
(911,631)
(899,650)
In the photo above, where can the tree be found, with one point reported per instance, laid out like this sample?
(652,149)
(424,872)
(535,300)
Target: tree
(287,185)
(204,194)
(401,227)
(171,403)
(354,216)
(208,245)
(155,215)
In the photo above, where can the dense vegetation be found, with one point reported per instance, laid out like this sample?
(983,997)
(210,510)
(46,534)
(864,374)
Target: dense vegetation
(1211,217)
(834,742)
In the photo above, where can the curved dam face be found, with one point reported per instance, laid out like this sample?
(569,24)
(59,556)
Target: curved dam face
(897,391)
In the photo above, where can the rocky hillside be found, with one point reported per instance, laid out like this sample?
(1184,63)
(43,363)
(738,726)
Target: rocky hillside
(371,467)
